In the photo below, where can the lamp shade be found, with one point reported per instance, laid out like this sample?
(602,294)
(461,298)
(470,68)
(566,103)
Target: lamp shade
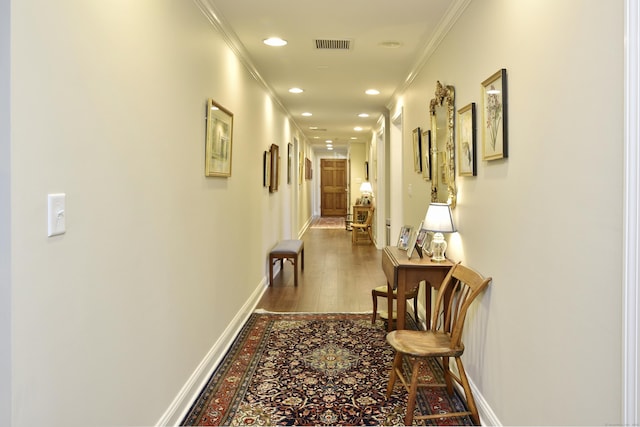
(439,218)
(365,187)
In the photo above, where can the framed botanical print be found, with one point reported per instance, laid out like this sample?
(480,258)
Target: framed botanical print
(494,116)
(467,140)
(219,140)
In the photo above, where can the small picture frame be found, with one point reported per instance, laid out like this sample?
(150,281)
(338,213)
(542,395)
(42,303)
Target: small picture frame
(426,154)
(426,244)
(422,236)
(274,180)
(218,141)
(494,116)
(289,162)
(417,152)
(266,168)
(412,245)
(467,164)
(405,236)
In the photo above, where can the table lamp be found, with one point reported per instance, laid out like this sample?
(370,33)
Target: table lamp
(439,220)
(366,190)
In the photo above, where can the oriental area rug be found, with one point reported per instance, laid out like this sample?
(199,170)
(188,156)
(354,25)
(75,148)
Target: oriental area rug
(312,369)
(329,222)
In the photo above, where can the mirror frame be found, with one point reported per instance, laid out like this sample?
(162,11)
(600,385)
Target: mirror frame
(444,97)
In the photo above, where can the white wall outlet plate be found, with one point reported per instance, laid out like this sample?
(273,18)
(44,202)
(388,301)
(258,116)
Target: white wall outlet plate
(56,214)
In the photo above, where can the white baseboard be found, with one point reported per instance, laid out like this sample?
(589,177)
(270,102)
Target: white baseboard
(195,384)
(487,416)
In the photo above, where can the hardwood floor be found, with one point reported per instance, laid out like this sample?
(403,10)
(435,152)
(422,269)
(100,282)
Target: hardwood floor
(337,276)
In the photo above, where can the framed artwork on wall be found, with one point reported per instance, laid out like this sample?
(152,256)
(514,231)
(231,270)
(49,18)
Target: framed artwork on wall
(289,162)
(266,168)
(426,154)
(275,168)
(494,116)
(467,164)
(417,153)
(218,141)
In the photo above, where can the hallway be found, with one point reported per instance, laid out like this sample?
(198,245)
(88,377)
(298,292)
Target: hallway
(338,276)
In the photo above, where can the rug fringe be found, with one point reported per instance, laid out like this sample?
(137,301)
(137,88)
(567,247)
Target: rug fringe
(263,311)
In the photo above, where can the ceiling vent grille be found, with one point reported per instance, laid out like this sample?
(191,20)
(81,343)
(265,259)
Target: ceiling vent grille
(325,44)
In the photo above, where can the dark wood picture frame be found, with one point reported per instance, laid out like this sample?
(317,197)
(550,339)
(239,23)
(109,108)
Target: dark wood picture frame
(467,156)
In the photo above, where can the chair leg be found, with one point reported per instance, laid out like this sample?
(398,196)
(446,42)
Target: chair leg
(413,391)
(471,403)
(397,365)
(375,307)
(447,375)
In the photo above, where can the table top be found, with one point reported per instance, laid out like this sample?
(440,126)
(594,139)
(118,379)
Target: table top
(400,259)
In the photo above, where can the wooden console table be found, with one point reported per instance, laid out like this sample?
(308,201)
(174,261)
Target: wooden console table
(405,274)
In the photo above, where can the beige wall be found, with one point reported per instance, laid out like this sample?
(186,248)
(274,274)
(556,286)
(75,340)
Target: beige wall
(107,105)
(544,343)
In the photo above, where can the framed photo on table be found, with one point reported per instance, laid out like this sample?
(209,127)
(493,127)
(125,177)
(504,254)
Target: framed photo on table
(405,236)
(412,244)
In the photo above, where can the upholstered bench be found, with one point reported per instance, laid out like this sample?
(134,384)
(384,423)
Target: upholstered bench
(287,249)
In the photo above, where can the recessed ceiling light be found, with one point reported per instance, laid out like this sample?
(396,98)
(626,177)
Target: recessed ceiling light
(354,137)
(329,148)
(274,41)
(363,115)
(372,92)
(307,114)
(328,141)
(313,127)
(296,90)
(357,128)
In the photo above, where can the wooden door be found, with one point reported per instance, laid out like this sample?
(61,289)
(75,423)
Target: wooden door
(333,184)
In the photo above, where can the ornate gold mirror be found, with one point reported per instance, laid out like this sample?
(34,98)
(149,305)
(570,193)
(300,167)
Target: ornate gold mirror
(443,177)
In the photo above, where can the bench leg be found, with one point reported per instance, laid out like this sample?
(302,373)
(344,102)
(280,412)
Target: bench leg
(295,270)
(270,271)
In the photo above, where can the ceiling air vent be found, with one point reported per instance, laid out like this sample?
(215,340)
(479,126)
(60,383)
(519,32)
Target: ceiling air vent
(325,44)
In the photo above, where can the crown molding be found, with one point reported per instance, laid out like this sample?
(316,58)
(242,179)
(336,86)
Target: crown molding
(452,15)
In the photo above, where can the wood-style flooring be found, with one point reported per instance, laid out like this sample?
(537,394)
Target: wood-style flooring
(337,276)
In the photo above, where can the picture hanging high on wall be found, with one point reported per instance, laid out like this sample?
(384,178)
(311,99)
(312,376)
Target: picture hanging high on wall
(494,116)
(219,140)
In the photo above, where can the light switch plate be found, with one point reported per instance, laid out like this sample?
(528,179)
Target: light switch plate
(56,214)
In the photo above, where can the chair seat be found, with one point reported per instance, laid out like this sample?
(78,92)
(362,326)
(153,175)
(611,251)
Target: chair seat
(423,343)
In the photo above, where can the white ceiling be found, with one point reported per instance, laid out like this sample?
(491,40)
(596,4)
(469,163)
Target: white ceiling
(334,81)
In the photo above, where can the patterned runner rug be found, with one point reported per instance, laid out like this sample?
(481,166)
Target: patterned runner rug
(329,222)
(312,369)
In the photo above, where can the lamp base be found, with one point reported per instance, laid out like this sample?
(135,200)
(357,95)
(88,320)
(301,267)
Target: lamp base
(438,246)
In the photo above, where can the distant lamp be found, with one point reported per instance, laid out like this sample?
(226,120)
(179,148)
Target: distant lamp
(365,188)
(439,220)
